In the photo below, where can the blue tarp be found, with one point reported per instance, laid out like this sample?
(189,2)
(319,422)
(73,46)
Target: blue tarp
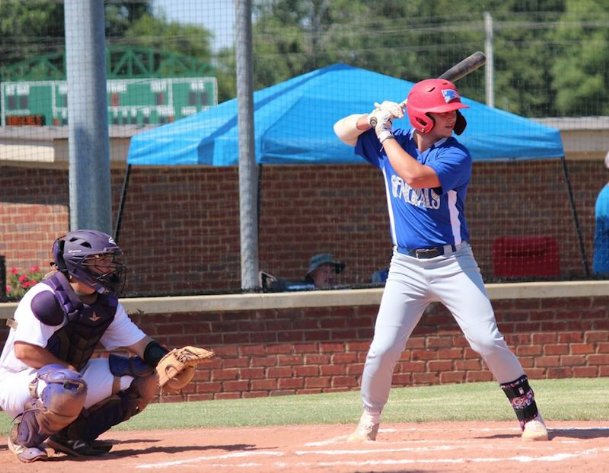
(293,125)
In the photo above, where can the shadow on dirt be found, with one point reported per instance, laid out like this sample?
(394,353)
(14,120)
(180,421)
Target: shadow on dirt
(123,453)
(566,432)
(580,432)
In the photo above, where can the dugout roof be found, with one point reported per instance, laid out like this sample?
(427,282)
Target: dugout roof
(293,125)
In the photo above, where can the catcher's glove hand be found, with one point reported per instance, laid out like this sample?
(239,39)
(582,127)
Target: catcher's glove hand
(177,368)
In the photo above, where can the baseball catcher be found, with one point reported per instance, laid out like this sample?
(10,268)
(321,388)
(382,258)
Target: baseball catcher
(58,395)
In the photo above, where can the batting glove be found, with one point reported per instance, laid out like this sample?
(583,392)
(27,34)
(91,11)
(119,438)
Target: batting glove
(383,125)
(396,109)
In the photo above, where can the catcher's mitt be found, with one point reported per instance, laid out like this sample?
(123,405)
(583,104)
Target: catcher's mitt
(177,368)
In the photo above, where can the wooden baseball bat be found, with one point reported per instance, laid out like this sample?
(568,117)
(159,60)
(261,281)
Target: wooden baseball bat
(464,67)
(461,69)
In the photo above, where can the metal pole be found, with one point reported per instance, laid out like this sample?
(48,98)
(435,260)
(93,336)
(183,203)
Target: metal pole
(248,182)
(89,161)
(2,278)
(121,204)
(580,238)
(489,70)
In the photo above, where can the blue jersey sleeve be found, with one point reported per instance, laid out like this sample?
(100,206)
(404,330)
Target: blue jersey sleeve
(369,147)
(452,164)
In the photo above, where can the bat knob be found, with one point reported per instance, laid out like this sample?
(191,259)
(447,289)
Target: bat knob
(373,122)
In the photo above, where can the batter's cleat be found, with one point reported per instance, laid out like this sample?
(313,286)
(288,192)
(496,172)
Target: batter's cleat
(366,430)
(78,448)
(27,454)
(535,430)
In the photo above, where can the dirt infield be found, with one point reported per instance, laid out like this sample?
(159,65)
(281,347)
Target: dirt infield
(414,448)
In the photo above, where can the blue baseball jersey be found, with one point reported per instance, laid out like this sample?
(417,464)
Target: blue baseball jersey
(601,232)
(427,217)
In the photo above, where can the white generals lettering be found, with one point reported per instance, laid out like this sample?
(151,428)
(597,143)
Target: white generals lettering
(426,197)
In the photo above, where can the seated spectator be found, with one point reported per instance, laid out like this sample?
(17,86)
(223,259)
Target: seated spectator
(323,268)
(380,276)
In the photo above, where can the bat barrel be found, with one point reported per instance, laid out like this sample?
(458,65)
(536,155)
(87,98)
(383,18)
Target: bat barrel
(465,67)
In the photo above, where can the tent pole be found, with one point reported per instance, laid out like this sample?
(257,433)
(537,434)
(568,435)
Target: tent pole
(582,248)
(258,196)
(121,204)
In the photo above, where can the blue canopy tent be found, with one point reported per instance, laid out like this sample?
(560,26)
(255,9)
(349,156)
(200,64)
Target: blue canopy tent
(293,125)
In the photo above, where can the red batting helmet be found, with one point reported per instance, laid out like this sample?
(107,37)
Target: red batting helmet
(433,96)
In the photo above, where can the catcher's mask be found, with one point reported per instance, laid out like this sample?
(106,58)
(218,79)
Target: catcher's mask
(92,257)
(434,96)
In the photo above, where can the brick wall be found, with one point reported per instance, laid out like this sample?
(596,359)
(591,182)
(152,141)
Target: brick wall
(315,350)
(180,228)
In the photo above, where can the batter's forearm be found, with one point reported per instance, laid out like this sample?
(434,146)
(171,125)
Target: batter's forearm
(349,128)
(415,174)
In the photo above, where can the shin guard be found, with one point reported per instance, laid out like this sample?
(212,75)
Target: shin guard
(60,402)
(522,399)
(117,408)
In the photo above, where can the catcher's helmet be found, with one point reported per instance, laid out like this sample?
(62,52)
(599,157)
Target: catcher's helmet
(433,96)
(92,257)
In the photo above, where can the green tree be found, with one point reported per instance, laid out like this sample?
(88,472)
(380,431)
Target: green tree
(29,29)
(36,28)
(581,70)
(160,34)
(412,40)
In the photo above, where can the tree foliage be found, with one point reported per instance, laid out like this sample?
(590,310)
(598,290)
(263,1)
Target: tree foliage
(36,28)
(581,70)
(549,55)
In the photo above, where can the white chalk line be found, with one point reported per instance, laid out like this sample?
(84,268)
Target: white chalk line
(437,448)
(341,438)
(200,459)
(559,457)
(505,430)
(458,444)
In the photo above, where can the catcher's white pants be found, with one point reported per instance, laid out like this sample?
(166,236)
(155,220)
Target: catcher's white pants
(412,285)
(15,393)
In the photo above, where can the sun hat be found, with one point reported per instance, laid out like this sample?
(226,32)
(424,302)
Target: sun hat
(324,258)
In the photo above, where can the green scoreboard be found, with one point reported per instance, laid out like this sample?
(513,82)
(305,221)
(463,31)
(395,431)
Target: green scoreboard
(130,101)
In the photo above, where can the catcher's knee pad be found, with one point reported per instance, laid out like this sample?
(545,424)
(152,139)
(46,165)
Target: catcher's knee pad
(522,399)
(113,410)
(59,403)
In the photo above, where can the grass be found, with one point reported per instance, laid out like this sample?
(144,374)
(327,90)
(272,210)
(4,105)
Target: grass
(563,399)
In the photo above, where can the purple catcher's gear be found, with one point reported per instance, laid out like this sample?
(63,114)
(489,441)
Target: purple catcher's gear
(59,404)
(92,257)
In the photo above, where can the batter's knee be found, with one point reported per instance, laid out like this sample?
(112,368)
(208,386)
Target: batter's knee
(384,353)
(490,347)
(485,339)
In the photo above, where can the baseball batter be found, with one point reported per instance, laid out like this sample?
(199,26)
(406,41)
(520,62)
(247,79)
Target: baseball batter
(426,173)
(49,383)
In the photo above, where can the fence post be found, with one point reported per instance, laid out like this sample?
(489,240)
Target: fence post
(2,278)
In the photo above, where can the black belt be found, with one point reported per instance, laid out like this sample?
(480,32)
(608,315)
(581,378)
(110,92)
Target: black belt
(427,253)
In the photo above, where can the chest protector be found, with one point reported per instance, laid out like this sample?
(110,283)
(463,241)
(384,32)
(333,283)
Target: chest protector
(75,342)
